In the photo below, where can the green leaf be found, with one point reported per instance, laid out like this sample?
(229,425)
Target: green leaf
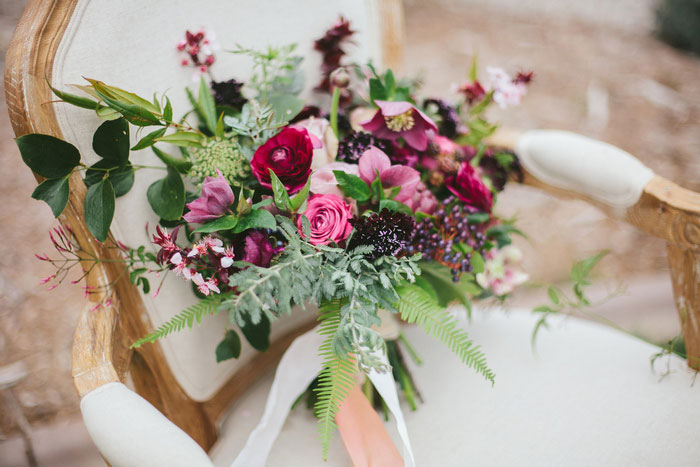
(181,165)
(228,348)
(553,295)
(474,69)
(183,138)
(389,84)
(393,205)
(478,217)
(108,113)
(206,105)
(55,192)
(167,196)
(48,156)
(262,203)
(145,285)
(136,111)
(121,178)
(168,111)
(377,92)
(477,262)
(581,270)
(111,141)
(352,186)
(78,101)
(298,200)
(257,334)
(279,193)
(441,279)
(257,219)
(148,140)
(99,209)
(285,106)
(219,133)
(222,223)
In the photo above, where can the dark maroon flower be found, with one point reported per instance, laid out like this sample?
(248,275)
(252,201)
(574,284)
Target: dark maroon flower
(405,155)
(523,77)
(257,249)
(166,242)
(450,124)
(289,155)
(331,48)
(228,93)
(356,143)
(388,231)
(473,92)
(470,189)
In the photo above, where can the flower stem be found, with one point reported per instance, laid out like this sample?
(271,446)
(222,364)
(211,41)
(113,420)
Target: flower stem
(334,110)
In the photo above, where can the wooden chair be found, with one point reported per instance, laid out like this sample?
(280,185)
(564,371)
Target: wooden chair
(129,44)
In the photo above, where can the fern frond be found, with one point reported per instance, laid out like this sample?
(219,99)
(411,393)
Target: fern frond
(187,317)
(417,306)
(335,381)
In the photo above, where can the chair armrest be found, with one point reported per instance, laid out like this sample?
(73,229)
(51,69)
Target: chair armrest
(129,431)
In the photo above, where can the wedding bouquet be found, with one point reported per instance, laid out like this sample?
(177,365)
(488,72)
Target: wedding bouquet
(368,203)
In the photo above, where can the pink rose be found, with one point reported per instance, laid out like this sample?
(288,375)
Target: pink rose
(470,189)
(401,119)
(330,218)
(374,161)
(323,180)
(289,155)
(216,198)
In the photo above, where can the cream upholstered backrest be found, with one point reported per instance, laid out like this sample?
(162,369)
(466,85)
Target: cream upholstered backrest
(132,44)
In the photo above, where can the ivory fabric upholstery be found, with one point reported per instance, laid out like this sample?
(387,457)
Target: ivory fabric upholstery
(131,44)
(586,396)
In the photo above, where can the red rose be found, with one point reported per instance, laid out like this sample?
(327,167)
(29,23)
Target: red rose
(470,189)
(289,155)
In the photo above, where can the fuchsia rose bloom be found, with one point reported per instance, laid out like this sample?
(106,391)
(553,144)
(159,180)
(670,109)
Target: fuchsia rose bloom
(374,160)
(401,119)
(289,155)
(216,198)
(470,189)
(330,218)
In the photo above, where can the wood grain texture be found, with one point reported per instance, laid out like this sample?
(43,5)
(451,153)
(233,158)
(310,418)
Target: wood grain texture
(101,352)
(665,210)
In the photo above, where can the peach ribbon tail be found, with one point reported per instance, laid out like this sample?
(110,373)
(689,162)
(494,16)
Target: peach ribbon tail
(364,435)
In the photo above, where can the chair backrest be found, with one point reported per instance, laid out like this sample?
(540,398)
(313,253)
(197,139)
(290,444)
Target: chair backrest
(131,44)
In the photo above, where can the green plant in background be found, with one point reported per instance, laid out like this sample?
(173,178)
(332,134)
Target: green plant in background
(678,24)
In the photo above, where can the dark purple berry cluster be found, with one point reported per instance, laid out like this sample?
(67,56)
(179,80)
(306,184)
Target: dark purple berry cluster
(228,93)
(439,238)
(356,143)
(449,118)
(388,231)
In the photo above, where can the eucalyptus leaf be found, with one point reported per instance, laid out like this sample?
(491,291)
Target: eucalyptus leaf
(228,348)
(48,156)
(55,192)
(167,196)
(99,209)
(285,106)
(122,178)
(111,141)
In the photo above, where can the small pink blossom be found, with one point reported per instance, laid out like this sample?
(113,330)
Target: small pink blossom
(501,272)
(506,91)
(227,259)
(205,287)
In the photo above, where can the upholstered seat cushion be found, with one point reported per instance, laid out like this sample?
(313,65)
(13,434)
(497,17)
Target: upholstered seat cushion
(586,396)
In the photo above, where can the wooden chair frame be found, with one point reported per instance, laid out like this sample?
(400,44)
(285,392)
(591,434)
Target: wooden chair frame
(101,351)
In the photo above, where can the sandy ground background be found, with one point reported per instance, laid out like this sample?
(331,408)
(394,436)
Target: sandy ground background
(598,71)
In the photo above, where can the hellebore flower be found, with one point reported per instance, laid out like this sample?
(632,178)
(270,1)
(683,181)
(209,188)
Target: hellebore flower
(289,154)
(216,198)
(374,160)
(401,119)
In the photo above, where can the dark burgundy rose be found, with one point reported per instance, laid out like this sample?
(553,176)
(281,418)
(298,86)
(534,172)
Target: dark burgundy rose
(257,249)
(289,155)
(470,189)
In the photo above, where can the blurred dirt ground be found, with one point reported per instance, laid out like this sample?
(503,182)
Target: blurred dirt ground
(597,71)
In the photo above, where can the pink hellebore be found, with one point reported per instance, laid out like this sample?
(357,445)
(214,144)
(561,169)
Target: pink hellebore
(216,198)
(401,119)
(374,160)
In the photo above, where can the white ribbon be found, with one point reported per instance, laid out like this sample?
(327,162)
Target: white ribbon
(298,367)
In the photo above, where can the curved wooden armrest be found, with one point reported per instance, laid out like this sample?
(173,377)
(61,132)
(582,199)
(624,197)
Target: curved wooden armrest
(659,207)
